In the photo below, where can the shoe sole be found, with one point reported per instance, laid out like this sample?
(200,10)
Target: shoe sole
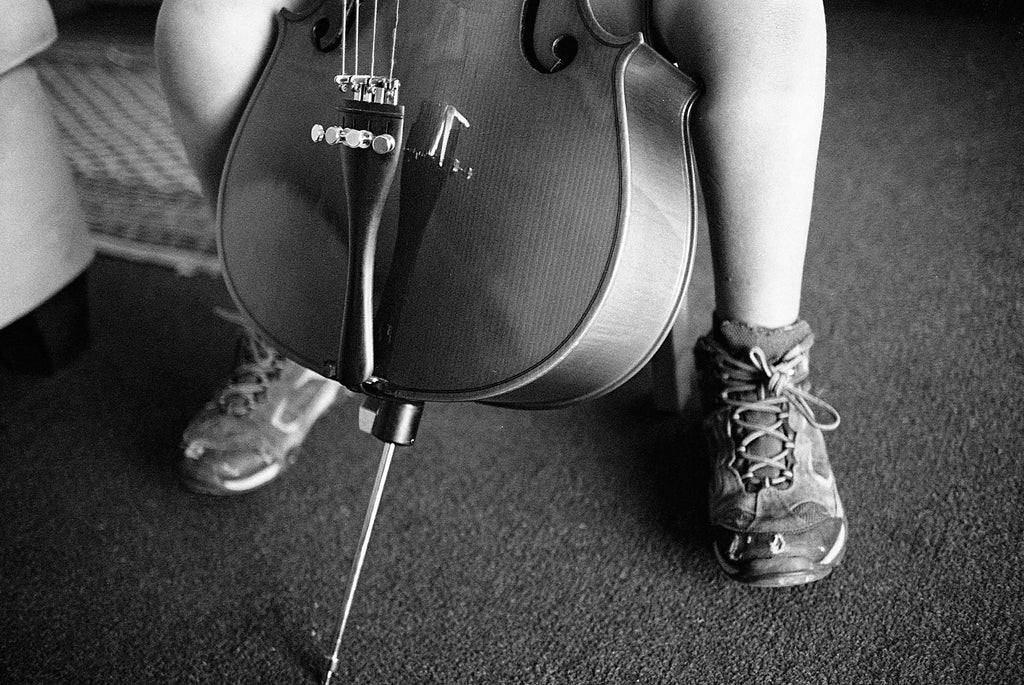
(237,486)
(814,572)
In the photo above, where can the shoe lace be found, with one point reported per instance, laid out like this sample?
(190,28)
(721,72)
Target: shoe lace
(761,394)
(256,365)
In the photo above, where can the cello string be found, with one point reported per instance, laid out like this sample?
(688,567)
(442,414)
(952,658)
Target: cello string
(394,40)
(344,32)
(373,48)
(356,71)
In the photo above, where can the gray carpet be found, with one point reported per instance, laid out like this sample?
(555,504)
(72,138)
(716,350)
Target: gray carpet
(569,546)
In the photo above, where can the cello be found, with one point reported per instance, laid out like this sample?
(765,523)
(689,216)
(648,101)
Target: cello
(525,238)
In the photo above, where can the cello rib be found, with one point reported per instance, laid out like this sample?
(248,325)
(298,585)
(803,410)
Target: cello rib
(658,237)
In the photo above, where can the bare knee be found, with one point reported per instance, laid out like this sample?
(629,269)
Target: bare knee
(209,53)
(750,44)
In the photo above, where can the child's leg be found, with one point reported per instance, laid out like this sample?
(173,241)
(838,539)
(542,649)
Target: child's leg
(756,130)
(210,53)
(774,507)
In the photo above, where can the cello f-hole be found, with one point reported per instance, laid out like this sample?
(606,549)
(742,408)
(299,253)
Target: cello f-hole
(321,28)
(563,48)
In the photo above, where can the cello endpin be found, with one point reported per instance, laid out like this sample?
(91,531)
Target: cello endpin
(360,555)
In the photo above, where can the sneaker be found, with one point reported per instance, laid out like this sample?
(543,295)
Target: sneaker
(775,512)
(251,431)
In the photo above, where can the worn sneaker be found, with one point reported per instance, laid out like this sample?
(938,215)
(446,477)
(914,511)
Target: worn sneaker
(775,511)
(250,432)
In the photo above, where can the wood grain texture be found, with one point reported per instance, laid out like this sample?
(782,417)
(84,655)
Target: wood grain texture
(547,275)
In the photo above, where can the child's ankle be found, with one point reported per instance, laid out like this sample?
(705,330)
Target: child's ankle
(739,337)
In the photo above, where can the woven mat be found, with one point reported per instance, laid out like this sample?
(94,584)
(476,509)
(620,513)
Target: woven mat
(141,198)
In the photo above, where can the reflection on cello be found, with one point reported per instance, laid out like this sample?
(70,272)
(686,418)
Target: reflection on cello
(553,271)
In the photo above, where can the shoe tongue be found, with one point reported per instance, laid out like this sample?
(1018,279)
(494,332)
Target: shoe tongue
(739,339)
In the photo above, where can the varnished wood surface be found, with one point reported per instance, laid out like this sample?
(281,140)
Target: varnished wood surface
(549,274)
(281,209)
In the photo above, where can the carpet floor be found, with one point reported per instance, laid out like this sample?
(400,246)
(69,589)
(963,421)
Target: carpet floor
(569,546)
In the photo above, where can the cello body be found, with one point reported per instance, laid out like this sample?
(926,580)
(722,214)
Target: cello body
(539,237)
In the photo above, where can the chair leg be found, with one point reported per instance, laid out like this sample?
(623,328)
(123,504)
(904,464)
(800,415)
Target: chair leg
(672,370)
(52,335)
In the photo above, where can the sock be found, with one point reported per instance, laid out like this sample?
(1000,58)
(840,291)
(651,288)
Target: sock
(739,338)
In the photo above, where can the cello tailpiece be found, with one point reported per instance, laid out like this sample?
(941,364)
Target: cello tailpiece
(372,136)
